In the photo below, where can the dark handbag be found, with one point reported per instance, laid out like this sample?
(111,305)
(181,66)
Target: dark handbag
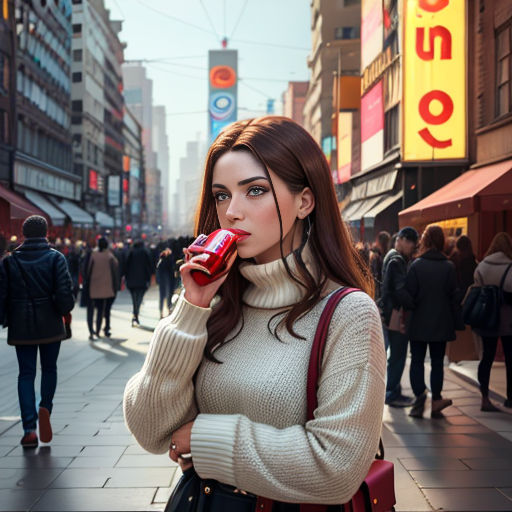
(482,305)
(376,494)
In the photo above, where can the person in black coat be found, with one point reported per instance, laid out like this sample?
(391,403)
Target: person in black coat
(165,278)
(138,270)
(432,283)
(36,291)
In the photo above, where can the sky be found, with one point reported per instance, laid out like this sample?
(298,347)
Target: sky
(273,39)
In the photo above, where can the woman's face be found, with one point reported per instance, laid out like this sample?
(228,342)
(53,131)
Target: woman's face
(244,200)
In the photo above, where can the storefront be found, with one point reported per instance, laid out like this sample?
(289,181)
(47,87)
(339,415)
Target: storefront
(82,222)
(477,204)
(14,209)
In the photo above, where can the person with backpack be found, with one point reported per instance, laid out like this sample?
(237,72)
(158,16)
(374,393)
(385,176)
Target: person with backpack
(36,291)
(496,270)
(394,300)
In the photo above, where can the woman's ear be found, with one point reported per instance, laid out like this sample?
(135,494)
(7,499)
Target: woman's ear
(306,203)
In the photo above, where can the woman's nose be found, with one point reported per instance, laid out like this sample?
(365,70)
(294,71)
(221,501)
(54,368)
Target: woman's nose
(234,211)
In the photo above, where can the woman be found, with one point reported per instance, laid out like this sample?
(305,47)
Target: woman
(165,278)
(103,285)
(138,270)
(490,271)
(465,263)
(244,420)
(432,283)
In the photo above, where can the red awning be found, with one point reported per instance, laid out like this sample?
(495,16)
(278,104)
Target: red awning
(14,211)
(484,189)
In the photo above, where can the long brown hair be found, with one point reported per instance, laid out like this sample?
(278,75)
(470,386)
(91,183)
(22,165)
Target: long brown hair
(432,239)
(502,242)
(283,146)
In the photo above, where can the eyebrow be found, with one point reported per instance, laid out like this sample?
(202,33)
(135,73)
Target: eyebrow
(241,183)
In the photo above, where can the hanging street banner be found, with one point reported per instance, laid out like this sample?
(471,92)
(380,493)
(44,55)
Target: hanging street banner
(223,89)
(434,77)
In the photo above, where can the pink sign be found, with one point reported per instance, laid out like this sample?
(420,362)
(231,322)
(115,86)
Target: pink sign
(372,112)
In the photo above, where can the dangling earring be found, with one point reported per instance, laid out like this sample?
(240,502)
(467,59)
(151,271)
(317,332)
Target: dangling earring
(309,226)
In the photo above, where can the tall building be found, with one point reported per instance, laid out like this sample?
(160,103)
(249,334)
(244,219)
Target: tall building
(189,185)
(161,148)
(335,29)
(138,95)
(97,122)
(293,101)
(43,169)
(133,176)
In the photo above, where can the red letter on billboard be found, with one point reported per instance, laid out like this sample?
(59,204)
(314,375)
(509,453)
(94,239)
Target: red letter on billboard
(432,141)
(446,102)
(433,5)
(434,32)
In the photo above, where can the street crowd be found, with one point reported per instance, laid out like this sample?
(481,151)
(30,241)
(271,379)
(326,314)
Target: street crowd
(420,286)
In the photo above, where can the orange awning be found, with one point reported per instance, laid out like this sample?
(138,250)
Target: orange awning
(485,189)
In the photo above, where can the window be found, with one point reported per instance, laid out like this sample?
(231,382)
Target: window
(76,106)
(77,77)
(75,2)
(77,28)
(391,125)
(503,69)
(4,127)
(347,32)
(77,55)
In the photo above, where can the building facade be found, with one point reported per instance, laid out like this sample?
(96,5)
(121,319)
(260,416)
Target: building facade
(335,49)
(97,105)
(138,95)
(161,148)
(134,203)
(293,101)
(43,166)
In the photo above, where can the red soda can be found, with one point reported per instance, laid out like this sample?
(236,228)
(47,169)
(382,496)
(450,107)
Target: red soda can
(212,253)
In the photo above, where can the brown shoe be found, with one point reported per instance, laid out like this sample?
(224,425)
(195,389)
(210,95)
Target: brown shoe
(439,405)
(29,440)
(45,427)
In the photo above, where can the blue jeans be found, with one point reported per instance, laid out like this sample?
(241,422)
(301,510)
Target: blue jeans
(27,361)
(398,343)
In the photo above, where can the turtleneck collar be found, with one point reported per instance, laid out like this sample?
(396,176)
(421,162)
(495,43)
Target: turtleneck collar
(271,286)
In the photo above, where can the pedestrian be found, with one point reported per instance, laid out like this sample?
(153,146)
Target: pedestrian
(432,283)
(490,272)
(73,259)
(244,422)
(35,293)
(138,270)
(165,278)
(394,299)
(103,279)
(378,251)
(465,263)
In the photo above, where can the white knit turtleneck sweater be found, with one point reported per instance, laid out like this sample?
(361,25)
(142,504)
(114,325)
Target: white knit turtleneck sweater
(250,428)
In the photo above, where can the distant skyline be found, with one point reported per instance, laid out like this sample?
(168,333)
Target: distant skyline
(273,39)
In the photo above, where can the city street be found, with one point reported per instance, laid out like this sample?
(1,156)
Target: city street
(462,462)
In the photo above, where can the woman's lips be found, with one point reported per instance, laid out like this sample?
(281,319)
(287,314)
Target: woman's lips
(241,233)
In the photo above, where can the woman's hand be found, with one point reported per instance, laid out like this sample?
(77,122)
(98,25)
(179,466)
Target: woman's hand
(201,295)
(180,445)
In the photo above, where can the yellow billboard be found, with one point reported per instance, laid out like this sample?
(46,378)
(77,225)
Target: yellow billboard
(434,80)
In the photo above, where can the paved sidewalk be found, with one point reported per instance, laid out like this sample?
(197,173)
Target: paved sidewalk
(460,463)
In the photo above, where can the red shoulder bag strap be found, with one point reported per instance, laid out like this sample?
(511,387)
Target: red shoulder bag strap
(315,364)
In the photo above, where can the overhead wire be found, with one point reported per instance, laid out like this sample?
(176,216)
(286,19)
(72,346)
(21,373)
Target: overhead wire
(238,19)
(178,20)
(209,19)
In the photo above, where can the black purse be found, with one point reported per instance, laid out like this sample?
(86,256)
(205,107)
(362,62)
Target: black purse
(193,494)
(482,305)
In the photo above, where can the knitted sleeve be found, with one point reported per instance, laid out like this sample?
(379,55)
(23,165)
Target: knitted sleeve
(325,460)
(160,397)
